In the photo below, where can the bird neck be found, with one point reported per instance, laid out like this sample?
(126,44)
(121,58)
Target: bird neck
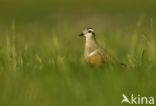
(91,45)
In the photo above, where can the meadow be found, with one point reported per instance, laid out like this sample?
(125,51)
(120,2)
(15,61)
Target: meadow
(42,64)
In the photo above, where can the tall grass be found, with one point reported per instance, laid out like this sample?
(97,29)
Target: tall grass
(50,70)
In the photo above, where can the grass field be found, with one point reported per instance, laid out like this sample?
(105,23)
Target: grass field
(41,60)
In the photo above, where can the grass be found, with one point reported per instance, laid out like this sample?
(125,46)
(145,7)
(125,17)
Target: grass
(37,70)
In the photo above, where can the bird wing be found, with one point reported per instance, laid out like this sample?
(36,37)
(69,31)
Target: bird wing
(105,54)
(109,57)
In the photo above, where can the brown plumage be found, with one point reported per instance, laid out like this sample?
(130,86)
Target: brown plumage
(94,53)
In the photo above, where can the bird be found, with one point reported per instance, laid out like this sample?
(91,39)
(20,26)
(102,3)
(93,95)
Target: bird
(94,53)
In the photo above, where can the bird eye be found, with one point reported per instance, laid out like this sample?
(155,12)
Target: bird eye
(89,31)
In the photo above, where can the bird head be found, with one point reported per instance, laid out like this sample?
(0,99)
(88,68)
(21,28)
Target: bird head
(88,33)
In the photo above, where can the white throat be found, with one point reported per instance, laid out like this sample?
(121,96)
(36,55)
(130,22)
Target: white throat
(90,45)
(88,36)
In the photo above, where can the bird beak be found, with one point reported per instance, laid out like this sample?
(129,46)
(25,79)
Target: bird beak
(81,34)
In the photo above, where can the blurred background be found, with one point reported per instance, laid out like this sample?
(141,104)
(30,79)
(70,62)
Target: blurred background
(41,55)
(58,11)
(38,17)
(62,15)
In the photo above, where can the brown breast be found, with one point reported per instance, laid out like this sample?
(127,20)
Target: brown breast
(97,58)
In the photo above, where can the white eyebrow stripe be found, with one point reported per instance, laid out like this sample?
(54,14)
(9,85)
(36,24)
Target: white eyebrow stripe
(91,30)
(92,53)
